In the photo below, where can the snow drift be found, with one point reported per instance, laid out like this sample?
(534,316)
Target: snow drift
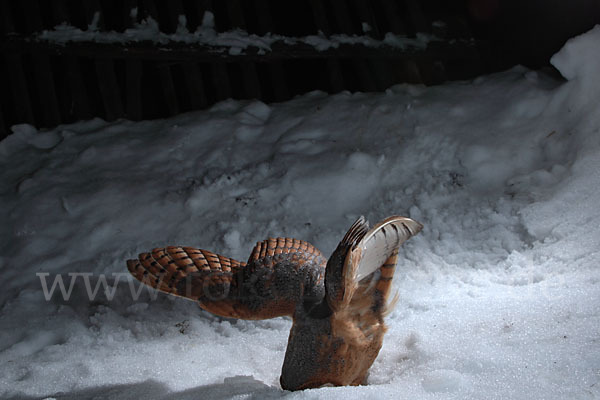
(499,293)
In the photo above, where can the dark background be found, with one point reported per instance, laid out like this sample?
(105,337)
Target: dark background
(529,32)
(46,84)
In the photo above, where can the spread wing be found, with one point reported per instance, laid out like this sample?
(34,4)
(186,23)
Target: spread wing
(269,285)
(363,263)
(196,274)
(378,244)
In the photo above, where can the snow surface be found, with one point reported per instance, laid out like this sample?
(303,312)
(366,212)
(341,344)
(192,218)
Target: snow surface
(499,294)
(237,40)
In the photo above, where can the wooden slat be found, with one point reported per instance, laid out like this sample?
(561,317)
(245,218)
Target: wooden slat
(33,19)
(174,10)
(263,16)
(195,86)
(49,112)
(275,68)
(393,16)
(432,72)
(250,79)
(60,12)
(320,16)
(17,82)
(281,89)
(79,95)
(133,89)
(126,19)
(365,10)
(109,88)
(6,18)
(336,79)
(221,80)
(7,79)
(409,72)
(235,13)
(367,82)
(362,67)
(3,123)
(201,7)
(382,68)
(382,72)
(334,68)
(169,92)
(42,70)
(105,68)
(147,8)
(343,18)
(420,22)
(91,7)
(21,108)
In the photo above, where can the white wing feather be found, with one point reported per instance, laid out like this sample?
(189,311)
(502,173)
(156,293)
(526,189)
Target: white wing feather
(379,243)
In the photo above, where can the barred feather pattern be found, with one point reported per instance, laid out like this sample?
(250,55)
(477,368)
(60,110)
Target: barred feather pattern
(338,305)
(269,285)
(281,272)
(300,251)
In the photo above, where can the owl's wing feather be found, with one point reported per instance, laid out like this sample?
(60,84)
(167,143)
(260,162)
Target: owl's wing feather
(377,245)
(365,253)
(268,252)
(184,271)
(337,341)
(278,273)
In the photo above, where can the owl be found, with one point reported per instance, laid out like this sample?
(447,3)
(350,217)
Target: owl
(337,304)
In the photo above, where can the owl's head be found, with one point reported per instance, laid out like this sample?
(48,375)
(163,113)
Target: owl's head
(335,340)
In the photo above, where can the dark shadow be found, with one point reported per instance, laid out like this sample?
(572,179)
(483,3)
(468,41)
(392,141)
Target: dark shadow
(234,386)
(153,390)
(149,389)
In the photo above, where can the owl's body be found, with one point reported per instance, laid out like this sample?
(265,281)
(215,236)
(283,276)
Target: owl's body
(337,304)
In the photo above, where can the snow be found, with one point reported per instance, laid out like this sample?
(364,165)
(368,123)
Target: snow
(498,294)
(236,41)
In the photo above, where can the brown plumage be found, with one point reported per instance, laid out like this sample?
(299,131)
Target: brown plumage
(337,305)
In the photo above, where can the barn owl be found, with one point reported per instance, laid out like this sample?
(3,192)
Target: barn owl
(337,304)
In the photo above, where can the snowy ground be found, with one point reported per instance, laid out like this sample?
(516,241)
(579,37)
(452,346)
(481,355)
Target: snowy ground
(499,294)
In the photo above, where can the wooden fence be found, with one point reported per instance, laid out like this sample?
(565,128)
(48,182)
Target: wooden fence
(46,83)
